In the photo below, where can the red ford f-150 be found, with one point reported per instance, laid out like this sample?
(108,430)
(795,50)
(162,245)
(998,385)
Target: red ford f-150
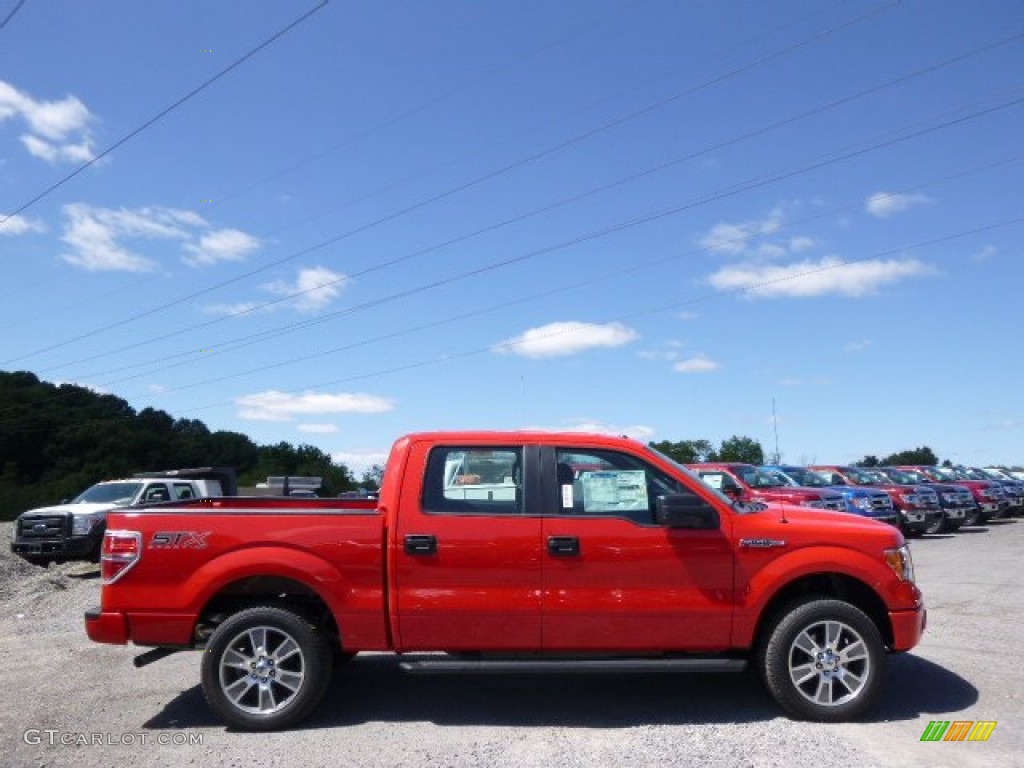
(512,551)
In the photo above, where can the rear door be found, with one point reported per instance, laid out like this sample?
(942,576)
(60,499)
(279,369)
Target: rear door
(467,554)
(615,580)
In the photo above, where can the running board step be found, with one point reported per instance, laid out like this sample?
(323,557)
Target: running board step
(565,666)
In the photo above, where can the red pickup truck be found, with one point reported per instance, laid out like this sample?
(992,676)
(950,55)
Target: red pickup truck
(506,552)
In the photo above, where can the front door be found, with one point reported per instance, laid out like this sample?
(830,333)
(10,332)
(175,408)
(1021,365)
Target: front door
(615,580)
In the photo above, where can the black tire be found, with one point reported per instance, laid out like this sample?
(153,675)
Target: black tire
(973,517)
(939,526)
(265,668)
(824,660)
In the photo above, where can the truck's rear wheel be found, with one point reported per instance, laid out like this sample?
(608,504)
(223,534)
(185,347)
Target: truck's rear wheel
(265,668)
(824,660)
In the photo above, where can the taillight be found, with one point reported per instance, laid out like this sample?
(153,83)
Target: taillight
(121,550)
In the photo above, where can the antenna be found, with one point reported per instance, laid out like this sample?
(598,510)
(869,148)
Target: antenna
(775,427)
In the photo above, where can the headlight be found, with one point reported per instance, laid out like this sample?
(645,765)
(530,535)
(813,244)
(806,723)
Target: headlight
(82,524)
(901,562)
(863,502)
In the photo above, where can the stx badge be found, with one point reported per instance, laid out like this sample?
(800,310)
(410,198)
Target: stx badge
(179,540)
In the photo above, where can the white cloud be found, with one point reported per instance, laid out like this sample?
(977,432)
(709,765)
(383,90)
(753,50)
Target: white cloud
(220,245)
(20,225)
(95,236)
(801,243)
(687,315)
(566,338)
(698,364)
(670,350)
(592,426)
(51,124)
(857,346)
(986,253)
(314,288)
(734,239)
(241,308)
(830,275)
(359,462)
(317,429)
(884,204)
(282,406)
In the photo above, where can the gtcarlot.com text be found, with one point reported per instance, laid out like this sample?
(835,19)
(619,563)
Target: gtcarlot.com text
(52,737)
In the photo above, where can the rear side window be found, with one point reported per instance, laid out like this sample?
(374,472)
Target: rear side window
(474,480)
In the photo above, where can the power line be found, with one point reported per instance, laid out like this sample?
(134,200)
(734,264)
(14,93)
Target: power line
(461,317)
(675,305)
(758,182)
(10,16)
(751,288)
(164,112)
(621,120)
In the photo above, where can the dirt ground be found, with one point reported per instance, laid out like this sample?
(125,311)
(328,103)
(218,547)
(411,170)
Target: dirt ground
(70,702)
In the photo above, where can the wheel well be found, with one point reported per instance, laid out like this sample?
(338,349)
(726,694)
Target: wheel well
(278,591)
(818,585)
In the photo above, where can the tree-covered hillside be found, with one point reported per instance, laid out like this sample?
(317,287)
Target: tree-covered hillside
(55,441)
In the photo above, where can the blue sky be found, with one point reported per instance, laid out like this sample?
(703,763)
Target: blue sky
(651,218)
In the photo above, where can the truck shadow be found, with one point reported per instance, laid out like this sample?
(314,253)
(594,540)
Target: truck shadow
(372,688)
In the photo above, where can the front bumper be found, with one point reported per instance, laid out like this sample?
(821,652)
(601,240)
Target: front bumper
(908,627)
(72,548)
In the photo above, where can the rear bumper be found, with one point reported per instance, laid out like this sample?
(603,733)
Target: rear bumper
(908,627)
(106,627)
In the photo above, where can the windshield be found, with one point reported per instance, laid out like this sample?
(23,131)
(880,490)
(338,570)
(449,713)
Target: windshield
(906,476)
(758,478)
(120,494)
(860,477)
(973,474)
(945,473)
(806,478)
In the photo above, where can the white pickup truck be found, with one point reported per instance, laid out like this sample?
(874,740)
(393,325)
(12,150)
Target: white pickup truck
(73,530)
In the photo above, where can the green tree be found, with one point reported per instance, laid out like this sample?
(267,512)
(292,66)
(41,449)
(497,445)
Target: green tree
(687,451)
(922,455)
(742,449)
(868,461)
(372,478)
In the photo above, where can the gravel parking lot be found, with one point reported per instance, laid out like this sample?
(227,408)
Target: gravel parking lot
(60,687)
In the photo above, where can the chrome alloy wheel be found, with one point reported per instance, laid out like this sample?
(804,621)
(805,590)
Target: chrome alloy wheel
(828,663)
(261,670)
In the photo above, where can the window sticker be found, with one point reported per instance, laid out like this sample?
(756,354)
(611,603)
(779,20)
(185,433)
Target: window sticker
(567,499)
(715,481)
(614,491)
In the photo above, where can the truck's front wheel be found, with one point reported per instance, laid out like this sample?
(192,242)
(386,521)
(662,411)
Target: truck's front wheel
(824,660)
(265,668)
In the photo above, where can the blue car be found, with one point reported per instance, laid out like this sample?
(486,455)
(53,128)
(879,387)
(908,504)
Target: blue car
(866,502)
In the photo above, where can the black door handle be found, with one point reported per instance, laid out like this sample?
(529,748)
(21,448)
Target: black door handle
(563,546)
(420,544)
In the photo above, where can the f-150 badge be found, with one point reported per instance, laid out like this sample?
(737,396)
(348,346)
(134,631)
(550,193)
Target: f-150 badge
(179,540)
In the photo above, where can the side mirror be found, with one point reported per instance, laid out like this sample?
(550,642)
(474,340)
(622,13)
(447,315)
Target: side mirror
(680,510)
(732,491)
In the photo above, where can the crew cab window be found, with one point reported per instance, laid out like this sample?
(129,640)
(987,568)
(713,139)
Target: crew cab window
(183,491)
(156,492)
(474,480)
(611,484)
